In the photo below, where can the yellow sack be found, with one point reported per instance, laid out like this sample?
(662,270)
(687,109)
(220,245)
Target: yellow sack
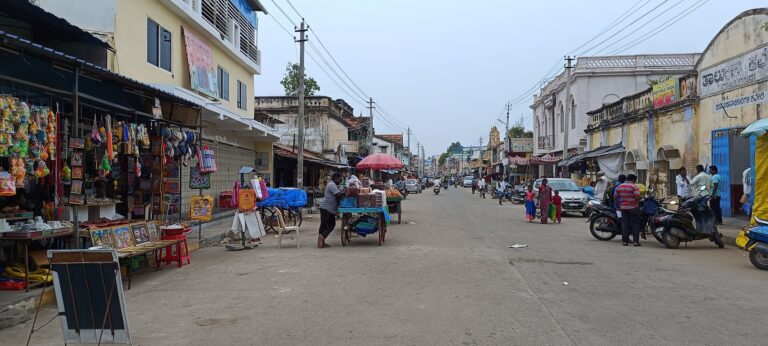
(40,275)
(741,239)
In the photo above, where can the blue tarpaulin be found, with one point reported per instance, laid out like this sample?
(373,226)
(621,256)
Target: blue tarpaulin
(245,8)
(284,198)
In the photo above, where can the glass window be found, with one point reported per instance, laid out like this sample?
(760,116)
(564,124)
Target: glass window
(223,81)
(152,35)
(242,95)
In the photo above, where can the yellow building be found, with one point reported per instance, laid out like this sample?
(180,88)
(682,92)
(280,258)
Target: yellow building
(204,51)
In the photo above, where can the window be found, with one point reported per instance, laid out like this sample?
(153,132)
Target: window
(223,82)
(562,118)
(242,96)
(158,45)
(573,114)
(234,33)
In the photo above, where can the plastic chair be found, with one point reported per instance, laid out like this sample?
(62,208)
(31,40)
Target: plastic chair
(282,228)
(181,250)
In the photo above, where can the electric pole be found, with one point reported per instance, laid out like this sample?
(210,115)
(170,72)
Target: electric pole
(300,155)
(567,114)
(409,138)
(370,114)
(506,143)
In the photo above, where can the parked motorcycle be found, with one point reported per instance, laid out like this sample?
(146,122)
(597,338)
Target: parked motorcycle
(755,240)
(604,222)
(518,195)
(693,221)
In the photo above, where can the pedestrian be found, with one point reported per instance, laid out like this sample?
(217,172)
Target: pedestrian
(627,197)
(746,182)
(701,184)
(683,183)
(481,185)
(545,198)
(714,199)
(500,189)
(329,207)
(610,193)
(557,201)
(530,204)
(601,185)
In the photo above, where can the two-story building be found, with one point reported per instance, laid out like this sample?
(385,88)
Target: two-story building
(595,81)
(203,51)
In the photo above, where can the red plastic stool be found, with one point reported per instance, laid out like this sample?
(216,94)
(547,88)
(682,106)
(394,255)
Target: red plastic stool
(181,250)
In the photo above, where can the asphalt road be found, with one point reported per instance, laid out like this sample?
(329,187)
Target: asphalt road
(449,278)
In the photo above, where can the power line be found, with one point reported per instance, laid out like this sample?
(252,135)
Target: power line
(634,32)
(290,20)
(624,28)
(613,24)
(643,39)
(294,9)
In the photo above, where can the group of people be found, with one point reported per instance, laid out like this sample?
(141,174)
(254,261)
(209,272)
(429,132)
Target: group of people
(547,198)
(707,184)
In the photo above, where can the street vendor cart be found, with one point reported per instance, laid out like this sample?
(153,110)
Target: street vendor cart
(386,162)
(347,228)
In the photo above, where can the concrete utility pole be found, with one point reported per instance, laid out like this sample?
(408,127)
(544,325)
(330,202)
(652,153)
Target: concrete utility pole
(300,155)
(370,114)
(506,142)
(409,138)
(567,114)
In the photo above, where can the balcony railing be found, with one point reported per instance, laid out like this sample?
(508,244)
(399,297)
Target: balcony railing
(546,142)
(620,110)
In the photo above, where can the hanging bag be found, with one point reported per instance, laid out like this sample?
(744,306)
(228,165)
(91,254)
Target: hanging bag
(246,199)
(206,159)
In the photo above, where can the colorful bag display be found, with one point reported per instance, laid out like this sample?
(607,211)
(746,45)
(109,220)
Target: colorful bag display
(198,180)
(206,159)
(246,199)
(7,185)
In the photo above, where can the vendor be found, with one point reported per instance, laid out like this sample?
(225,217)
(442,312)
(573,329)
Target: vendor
(329,207)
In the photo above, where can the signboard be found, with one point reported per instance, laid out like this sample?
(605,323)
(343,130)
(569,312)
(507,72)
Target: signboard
(664,93)
(737,72)
(202,70)
(757,97)
(201,208)
(522,145)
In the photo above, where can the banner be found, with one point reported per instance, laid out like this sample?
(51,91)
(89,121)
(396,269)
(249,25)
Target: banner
(747,69)
(664,93)
(522,145)
(757,97)
(202,70)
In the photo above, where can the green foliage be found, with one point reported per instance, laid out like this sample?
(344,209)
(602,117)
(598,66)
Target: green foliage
(442,158)
(290,82)
(518,131)
(455,147)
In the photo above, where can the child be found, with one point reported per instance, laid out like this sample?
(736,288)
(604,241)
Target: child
(558,202)
(530,205)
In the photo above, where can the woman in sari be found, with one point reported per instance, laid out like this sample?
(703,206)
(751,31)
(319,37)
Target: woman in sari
(545,198)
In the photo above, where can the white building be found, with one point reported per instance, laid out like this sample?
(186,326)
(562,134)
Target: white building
(595,81)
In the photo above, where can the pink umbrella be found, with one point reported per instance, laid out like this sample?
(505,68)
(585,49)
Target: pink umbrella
(380,161)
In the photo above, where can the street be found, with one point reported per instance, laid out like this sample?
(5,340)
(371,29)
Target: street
(448,278)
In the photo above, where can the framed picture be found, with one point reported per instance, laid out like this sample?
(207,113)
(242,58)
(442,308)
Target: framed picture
(103,237)
(76,187)
(77,143)
(140,233)
(262,161)
(198,180)
(152,231)
(77,172)
(123,236)
(201,208)
(76,159)
(76,199)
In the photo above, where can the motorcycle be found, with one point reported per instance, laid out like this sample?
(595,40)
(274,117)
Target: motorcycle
(401,188)
(755,241)
(693,221)
(482,191)
(605,224)
(518,195)
(436,189)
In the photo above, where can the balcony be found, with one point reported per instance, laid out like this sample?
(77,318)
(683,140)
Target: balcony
(547,142)
(215,19)
(621,110)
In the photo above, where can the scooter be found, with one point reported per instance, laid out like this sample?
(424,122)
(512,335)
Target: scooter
(605,224)
(693,221)
(755,240)
(436,189)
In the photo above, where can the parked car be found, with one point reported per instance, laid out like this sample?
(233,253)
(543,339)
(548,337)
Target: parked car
(574,200)
(468,181)
(412,186)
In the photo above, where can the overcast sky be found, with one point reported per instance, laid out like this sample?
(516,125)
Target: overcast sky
(446,68)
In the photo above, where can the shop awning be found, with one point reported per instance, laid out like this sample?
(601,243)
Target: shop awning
(290,153)
(757,129)
(224,118)
(600,151)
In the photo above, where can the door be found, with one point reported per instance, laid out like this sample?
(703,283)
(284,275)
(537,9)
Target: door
(721,159)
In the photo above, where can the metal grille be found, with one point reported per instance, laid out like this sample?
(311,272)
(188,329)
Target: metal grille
(219,13)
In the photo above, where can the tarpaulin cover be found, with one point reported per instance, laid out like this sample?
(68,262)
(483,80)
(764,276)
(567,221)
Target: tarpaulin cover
(284,198)
(760,207)
(611,165)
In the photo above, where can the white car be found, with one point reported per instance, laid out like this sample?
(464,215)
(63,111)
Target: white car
(412,186)
(574,199)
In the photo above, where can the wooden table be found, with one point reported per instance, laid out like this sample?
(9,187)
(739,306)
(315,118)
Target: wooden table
(381,215)
(143,250)
(27,240)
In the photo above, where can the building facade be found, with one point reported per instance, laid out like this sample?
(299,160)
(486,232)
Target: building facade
(595,81)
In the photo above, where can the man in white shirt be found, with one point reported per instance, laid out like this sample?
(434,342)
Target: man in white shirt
(500,187)
(746,181)
(701,179)
(601,185)
(683,183)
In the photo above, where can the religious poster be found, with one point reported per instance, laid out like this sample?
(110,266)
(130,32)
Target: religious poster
(201,208)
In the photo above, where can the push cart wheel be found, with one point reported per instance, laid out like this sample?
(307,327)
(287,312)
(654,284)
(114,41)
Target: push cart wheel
(268,218)
(344,235)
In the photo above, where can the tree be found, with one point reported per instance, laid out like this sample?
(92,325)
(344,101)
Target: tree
(290,82)
(442,158)
(454,147)
(518,131)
